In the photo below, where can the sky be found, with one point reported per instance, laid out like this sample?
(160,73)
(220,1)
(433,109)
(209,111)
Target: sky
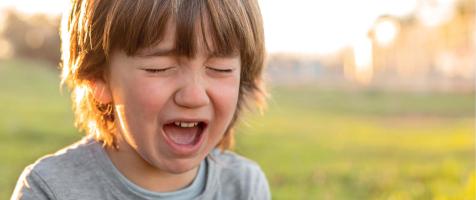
(302,26)
(322,26)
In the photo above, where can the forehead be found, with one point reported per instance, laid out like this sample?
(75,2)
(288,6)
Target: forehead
(199,43)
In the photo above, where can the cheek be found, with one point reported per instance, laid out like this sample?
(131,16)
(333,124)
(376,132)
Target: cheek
(145,95)
(141,99)
(224,96)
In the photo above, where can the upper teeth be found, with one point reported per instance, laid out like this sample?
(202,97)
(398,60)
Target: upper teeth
(186,124)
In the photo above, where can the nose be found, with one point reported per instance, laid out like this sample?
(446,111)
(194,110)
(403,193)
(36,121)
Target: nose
(192,94)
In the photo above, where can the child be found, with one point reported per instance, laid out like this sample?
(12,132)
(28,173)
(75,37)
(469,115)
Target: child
(158,86)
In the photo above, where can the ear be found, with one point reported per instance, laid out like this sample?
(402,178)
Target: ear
(100,91)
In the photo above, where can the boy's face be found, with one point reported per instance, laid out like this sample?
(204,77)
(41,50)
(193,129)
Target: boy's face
(173,110)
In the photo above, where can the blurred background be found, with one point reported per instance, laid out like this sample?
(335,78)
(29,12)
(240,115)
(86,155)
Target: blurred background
(370,99)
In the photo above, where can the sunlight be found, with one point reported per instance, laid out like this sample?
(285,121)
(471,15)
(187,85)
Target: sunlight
(363,60)
(385,32)
(313,26)
(79,94)
(119,109)
(93,128)
(435,12)
(321,26)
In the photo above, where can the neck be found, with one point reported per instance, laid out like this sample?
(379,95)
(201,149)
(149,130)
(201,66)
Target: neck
(145,175)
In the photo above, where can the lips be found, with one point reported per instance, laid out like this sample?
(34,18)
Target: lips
(184,137)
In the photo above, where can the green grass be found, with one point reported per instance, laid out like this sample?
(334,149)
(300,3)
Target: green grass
(313,143)
(333,144)
(35,118)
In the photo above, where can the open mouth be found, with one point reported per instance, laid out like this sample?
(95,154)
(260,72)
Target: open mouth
(184,134)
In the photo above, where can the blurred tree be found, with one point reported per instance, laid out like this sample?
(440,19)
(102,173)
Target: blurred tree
(34,36)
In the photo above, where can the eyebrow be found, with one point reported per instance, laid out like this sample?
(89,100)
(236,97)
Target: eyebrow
(224,55)
(158,52)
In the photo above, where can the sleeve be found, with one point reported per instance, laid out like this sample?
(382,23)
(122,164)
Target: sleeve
(262,191)
(31,186)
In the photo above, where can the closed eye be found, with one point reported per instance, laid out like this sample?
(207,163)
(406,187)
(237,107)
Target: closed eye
(156,70)
(220,70)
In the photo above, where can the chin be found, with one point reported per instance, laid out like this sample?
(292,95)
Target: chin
(179,167)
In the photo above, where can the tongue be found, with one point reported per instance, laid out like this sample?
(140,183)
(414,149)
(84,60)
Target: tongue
(179,135)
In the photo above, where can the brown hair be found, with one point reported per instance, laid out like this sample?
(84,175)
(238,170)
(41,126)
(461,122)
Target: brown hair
(92,29)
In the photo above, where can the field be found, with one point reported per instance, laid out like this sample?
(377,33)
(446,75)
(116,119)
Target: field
(312,142)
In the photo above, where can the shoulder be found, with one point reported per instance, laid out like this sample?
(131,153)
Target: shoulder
(69,159)
(234,164)
(52,173)
(239,175)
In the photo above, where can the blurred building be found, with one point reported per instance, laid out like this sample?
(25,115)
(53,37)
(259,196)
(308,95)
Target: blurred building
(413,52)
(426,56)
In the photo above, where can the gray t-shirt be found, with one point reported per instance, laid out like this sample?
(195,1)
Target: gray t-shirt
(84,171)
(194,190)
